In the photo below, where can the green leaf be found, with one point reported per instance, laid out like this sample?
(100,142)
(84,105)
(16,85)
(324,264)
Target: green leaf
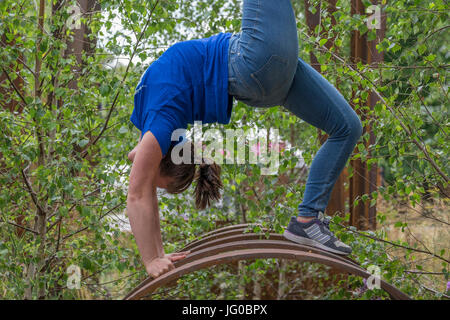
(83,142)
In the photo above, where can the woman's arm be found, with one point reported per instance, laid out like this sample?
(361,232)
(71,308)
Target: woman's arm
(142,206)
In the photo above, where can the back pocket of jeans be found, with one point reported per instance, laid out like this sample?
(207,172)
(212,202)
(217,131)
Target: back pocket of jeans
(272,76)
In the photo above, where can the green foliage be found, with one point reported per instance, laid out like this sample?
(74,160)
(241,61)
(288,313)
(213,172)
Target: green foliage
(67,149)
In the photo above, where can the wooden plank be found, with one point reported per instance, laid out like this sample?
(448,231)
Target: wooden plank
(359,182)
(374,58)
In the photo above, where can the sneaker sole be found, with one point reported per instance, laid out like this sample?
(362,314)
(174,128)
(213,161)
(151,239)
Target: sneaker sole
(312,243)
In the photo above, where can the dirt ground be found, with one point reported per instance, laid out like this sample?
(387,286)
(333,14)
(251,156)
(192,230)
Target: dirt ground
(428,228)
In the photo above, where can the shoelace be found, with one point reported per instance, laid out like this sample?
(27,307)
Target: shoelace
(325,220)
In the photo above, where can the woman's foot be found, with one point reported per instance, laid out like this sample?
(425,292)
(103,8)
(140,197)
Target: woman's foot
(316,233)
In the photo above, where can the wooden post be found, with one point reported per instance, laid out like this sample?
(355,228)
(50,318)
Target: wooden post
(336,203)
(364,181)
(357,181)
(374,58)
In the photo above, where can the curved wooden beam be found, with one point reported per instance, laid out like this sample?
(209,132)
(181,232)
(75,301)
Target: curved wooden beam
(261,253)
(238,232)
(231,227)
(217,235)
(232,243)
(247,241)
(272,237)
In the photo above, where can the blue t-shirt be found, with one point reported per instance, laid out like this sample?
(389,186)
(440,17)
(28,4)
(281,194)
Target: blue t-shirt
(187,83)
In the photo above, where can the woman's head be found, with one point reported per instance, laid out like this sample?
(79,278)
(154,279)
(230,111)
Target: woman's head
(180,176)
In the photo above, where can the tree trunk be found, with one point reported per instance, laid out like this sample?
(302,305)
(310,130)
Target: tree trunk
(364,179)
(282,284)
(256,286)
(82,43)
(241,275)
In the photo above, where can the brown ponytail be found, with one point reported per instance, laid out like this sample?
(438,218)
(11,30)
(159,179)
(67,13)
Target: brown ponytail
(206,176)
(208,185)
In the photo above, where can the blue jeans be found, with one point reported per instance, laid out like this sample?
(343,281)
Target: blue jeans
(265,70)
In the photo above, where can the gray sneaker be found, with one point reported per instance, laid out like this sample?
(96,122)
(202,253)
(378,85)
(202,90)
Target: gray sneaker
(316,233)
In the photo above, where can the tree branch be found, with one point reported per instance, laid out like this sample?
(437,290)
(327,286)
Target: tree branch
(85,228)
(392,243)
(14,87)
(19,226)
(41,210)
(408,132)
(93,142)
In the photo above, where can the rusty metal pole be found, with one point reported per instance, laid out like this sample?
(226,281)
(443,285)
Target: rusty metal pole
(337,198)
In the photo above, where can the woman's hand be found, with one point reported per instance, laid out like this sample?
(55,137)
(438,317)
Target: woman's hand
(160,266)
(177,255)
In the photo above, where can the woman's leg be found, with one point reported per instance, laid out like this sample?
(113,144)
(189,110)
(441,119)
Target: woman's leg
(313,99)
(263,55)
